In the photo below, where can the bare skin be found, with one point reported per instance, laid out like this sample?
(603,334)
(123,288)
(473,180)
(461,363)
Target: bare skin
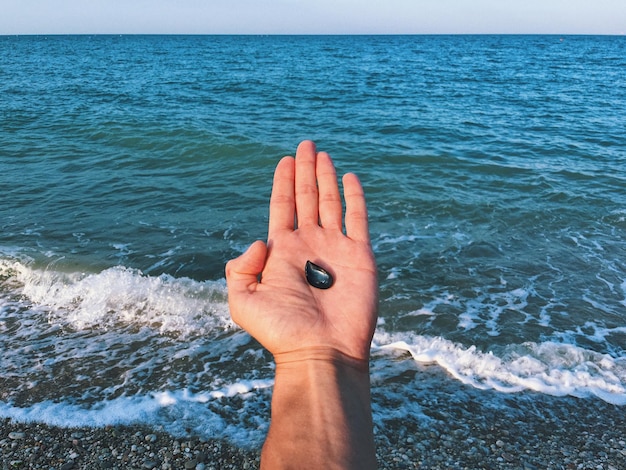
(320,339)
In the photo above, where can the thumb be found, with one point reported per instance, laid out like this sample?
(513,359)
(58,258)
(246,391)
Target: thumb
(243,272)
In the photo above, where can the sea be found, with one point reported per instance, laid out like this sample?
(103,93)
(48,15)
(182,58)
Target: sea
(132,168)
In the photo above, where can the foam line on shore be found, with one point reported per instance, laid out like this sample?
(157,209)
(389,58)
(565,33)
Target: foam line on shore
(551,368)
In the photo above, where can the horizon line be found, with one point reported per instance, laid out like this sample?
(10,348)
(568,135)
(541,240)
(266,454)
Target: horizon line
(311,34)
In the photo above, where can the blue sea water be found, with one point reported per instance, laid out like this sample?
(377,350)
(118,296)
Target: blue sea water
(133,167)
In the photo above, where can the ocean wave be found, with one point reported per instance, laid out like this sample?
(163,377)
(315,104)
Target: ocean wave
(121,295)
(177,412)
(187,310)
(551,368)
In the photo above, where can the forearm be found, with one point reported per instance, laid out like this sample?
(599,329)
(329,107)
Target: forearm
(321,413)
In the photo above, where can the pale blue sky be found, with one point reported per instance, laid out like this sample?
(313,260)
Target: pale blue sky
(312,16)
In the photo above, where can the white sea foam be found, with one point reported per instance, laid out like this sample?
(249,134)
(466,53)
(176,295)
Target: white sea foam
(122,295)
(551,368)
(175,411)
(218,385)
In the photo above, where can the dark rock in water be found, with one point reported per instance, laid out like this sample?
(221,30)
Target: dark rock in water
(317,276)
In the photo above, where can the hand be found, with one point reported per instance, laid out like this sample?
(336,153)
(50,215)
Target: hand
(267,291)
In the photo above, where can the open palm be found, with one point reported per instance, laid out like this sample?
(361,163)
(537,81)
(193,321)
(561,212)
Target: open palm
(268,293)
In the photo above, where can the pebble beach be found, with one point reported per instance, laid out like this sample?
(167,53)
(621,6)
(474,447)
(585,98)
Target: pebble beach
(523,432)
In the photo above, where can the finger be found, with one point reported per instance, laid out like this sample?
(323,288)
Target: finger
(356,209)
(329,198)
(243,272)
(306,185)
(282,201)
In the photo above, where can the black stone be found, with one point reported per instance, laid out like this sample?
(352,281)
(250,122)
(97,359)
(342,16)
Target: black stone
(317,276)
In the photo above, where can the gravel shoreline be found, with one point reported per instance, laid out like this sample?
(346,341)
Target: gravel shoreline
(448,426)
(37,446)
(524,431)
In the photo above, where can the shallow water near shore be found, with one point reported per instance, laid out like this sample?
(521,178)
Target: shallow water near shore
(132,168)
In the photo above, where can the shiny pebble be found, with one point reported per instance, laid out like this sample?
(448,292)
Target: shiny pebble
(317,276)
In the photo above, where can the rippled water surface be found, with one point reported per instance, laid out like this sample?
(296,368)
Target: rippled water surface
(133,167)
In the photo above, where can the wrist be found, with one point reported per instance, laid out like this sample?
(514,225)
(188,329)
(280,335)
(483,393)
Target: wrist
(319,356)
(321,412)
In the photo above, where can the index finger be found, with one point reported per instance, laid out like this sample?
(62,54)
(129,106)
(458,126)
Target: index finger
(282,201)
